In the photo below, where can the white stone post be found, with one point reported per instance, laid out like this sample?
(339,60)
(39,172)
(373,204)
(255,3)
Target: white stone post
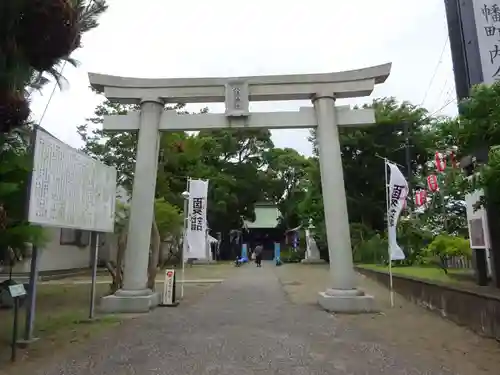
(134,296)
(135,273)
(312,255)
(342,276)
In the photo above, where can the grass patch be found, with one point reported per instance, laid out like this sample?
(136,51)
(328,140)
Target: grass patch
(62,310)
(454,276)
(61,318)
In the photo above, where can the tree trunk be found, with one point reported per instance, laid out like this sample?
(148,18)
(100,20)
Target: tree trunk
(161,253)
(155,255)
(116,269)
(120,255)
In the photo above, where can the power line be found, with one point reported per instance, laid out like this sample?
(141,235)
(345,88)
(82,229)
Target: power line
(443,107)
(60,72)
(51,95)
(435,69)
(443,88)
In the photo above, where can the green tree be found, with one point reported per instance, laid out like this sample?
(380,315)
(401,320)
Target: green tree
(287,182)
(477,129)
(477,126)
(168,217)
(168,222)
(180,158)
(113,148)
(15,231)
(231,159)
(35,37)
(444,246)
(446,211)
(363,150)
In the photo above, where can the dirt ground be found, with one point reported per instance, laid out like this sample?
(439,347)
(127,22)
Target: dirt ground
(407,326)
(196,272)
(62,312)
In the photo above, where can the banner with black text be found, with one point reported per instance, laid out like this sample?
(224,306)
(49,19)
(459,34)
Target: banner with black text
(398,191)
(197,220)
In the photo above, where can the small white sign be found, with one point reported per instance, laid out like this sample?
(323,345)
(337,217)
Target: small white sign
(168,287)
(477,220)
(237,99)
(17,290)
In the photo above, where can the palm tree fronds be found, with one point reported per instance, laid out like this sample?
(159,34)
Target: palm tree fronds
(37,81)
(88,12)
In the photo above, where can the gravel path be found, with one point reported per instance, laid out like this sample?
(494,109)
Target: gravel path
(407,327)
(246,325)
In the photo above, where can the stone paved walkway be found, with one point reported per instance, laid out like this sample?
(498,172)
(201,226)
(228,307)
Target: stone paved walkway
(243,326)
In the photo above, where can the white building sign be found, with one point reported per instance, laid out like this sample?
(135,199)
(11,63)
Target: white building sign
(487,18)
(70,189)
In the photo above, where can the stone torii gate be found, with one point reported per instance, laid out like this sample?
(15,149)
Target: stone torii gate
(322,89)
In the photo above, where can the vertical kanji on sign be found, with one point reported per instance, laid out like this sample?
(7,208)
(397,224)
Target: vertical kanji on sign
(487,17)
(196,220)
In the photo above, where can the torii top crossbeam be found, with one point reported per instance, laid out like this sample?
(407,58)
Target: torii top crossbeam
(351,83)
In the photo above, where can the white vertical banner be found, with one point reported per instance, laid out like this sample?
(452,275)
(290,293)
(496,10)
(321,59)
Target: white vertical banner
(197,220)
(398,190)
(487,19)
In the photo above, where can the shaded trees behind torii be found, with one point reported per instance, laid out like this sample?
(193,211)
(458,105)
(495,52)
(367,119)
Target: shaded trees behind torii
(362,150)
(231,159)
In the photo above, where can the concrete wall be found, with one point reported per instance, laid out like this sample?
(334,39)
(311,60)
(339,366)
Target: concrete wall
(57,255)
(477,308)
(61,253)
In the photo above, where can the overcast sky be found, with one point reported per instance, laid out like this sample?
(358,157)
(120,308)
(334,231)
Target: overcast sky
(196,38)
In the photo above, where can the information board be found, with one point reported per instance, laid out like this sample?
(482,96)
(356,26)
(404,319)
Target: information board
(17,290)
(477,220)
(70,189)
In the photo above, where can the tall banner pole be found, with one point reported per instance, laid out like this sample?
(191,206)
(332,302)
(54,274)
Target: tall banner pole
(391,291)
(33,279)
(95,259)
(185,238)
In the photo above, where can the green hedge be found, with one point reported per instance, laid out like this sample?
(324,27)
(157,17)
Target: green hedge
(288,255)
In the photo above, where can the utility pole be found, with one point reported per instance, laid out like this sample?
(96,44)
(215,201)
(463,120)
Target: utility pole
(468,71)
(406,131)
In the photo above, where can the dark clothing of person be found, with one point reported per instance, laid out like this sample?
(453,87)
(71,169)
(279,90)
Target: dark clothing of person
(258,255)
(258,250)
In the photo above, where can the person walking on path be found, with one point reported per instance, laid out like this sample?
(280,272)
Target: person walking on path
(258,255)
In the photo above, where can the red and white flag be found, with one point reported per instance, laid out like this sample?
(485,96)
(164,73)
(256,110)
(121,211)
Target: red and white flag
(432,183)
(420,198)
(440,160)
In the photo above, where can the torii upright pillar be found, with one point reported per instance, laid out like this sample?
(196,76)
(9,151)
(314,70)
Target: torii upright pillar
(342,295)
(323,89)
